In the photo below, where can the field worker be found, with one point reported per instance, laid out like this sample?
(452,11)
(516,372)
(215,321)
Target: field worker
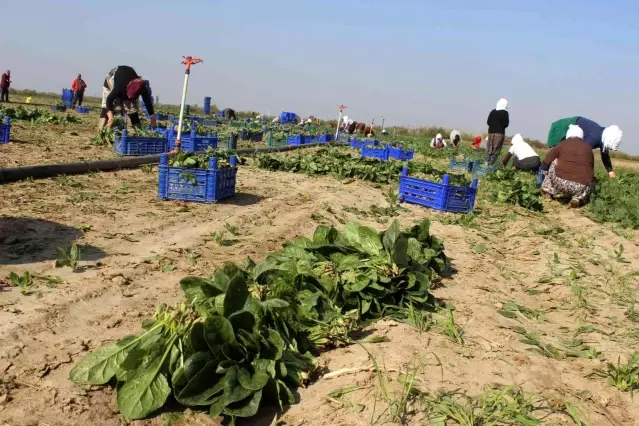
(455,138)
(605,138)
(5,83)
(229,114)
(124,86)
(570,168)
(438,142)
(360,128)
(476,143)
(526,158)
(276,119)
(384,132)
(349,125)
(498,121)
(369,132)
(78,86)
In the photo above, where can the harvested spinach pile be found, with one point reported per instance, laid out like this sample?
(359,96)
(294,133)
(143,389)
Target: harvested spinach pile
(616,200)
(519,188)
(200,160)
(106,136)
(342,165)
(37,115)
(246,337)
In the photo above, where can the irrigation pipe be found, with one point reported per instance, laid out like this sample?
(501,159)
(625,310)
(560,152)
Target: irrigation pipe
(16,174)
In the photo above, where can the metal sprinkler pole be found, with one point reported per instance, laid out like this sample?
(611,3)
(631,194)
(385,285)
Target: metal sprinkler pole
(188,61)
(339,120)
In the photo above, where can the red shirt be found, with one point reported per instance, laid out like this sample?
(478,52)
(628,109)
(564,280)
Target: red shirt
(5,82)
(78,85)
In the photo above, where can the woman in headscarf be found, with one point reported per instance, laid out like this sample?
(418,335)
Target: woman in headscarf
(438,142)
(349,125)
(605,138)
(526,158)
(498,121)
(570,168)
(477,143)
(455,138)
(124,86)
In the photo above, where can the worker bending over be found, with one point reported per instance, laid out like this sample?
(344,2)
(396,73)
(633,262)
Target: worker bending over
(605,138)
(123,86)
(526,158)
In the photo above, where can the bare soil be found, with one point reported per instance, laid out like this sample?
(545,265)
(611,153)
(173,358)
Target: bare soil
(135,249)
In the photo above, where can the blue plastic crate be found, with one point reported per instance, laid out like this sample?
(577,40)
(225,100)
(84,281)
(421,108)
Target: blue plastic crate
(325,137)
(438,196)
(206,106)
(343,138)
(299,140)
(191,142)
(253,136)
(68,104)
(199,185)
(211,123)
(377,153)
(359,144)
(479,168)
(5,130)
(399,153)
(162,117)
(83,109)
(133,145)
(67,95)
(461,165)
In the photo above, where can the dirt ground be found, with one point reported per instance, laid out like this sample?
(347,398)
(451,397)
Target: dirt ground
(569,273)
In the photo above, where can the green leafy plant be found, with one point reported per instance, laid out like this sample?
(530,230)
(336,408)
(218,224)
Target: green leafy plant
(624,377)
(451,330)
(244,336)
(70,257)
(342,165)
(516,188)
(24,282)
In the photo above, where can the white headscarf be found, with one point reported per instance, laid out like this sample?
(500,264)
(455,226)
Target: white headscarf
(611,138)
(502,105)
(574,131)
(438,137)
(517,139)
(345,119)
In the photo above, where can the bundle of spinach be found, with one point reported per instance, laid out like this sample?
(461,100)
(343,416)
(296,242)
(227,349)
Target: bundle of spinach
(241,340)
(342,165)
(200,160)
(37,115)
(616,200)
(513,187)
(107,135)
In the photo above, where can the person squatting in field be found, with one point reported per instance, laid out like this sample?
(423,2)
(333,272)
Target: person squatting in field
(438,142)
(229,114)
(5,83)
(498,121)
(123,86)
(605,138)
(455,138)
(349,125)
(525,158)
(570,169)
(78,86)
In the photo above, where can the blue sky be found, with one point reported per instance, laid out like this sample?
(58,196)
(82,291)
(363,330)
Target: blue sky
(411,62)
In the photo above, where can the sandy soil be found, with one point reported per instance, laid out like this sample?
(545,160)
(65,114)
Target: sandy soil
(138,248)
(135,249)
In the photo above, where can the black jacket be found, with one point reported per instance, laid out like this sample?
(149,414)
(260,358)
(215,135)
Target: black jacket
(498,121)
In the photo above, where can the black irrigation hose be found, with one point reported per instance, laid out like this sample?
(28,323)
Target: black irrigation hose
(43,171)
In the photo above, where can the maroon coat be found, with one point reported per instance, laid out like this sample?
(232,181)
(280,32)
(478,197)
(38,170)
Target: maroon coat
(5,82)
